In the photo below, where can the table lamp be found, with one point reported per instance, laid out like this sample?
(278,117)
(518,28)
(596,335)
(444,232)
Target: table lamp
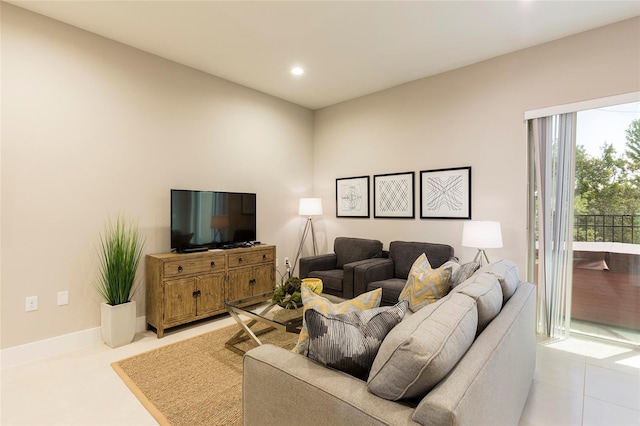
(481,235)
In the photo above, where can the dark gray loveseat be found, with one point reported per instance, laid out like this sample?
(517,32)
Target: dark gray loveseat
(391,274)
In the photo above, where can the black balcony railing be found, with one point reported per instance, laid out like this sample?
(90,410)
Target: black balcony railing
(607,228)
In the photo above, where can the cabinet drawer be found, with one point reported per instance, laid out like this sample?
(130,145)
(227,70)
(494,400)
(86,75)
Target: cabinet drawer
(193,266)
(253,258)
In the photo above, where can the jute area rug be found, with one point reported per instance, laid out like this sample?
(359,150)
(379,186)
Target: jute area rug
(197,381)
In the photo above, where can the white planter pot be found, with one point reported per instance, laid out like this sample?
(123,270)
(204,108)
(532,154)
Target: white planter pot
(118,323)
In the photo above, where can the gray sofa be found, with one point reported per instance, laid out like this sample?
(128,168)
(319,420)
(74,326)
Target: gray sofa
(488,385)
(336,270)
(391,273)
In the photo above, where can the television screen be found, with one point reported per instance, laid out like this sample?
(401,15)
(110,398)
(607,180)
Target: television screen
(211,219)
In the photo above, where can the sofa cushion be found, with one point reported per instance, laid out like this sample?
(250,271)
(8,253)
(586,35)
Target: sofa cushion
(350,250)
(310,300)
(404,253)
(485,289)
(349,342)
(420,351)
(391,289)
(507,273)
(425,285)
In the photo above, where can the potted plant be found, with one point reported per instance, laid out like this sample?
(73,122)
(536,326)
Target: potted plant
(120,253)
(288,294)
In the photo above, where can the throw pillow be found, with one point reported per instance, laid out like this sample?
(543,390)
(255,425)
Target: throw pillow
(463,273)
(310,300)
(425,285)
(349,342)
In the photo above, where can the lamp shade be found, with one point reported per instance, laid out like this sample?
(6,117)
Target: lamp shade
(482,234)
(310,207)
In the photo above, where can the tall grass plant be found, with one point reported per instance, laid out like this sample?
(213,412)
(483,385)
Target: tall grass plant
(120,251)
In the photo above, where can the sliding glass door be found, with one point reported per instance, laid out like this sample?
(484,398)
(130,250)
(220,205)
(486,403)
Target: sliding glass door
(585,255)
(606,266)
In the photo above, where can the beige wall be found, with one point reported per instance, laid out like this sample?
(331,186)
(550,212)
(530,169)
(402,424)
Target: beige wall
(468,117)
(90,128)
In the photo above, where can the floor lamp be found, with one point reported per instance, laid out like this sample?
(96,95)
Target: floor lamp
(309,207)
(481,235)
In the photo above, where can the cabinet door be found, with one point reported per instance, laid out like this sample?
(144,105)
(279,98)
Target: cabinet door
(211,296)
(178,299)
(239,285)
(264,279)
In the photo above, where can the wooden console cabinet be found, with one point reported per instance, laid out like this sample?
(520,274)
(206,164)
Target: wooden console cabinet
(182,288)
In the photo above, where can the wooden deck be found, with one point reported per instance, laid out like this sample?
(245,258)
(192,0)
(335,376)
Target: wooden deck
(606,288)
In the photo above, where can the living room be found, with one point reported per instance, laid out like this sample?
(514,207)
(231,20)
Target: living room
(93,127)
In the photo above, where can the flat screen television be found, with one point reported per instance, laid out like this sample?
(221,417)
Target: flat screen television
(211,219)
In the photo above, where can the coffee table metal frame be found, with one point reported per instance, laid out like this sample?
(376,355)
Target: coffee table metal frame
(274,316)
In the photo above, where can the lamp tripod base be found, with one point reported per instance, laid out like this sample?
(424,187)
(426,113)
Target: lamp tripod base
(480,256)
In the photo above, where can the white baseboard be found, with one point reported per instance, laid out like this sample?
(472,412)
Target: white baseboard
(48,348)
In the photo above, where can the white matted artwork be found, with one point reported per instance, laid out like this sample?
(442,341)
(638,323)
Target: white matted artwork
(445,193)
(352,197)
(393,195)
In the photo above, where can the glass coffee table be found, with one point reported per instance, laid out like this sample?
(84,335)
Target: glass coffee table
(260,310)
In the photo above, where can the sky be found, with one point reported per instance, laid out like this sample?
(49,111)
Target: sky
(597,126)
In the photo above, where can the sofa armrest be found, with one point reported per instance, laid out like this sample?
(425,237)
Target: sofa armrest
(381,269)
(321,262)
(350,288)
(281,387)
(502,358)
(368,272)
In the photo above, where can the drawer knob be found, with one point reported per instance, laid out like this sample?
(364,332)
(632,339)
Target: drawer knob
(264,257)
(239,260)
(179,268)
(213,264)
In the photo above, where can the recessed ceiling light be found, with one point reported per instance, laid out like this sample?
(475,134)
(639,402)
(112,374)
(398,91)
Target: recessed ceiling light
(297,71)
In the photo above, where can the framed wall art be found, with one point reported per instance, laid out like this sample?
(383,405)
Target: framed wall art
(445,193)
(393,195)
(352,197)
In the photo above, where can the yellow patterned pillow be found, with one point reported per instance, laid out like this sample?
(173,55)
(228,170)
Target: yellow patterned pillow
(425,285)
(310,300)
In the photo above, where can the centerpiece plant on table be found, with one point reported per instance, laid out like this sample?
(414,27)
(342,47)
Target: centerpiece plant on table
(288,294)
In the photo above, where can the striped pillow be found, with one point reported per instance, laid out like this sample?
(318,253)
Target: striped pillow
(349,342)
(310,300)
(425,285)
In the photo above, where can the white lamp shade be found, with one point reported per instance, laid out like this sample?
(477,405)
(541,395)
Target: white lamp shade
(310,207)
(482,234)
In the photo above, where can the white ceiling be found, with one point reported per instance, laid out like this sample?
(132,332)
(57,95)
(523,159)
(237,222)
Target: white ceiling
(348,48)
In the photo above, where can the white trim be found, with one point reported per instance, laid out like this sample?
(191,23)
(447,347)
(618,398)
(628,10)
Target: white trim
(583,105)
(48,348)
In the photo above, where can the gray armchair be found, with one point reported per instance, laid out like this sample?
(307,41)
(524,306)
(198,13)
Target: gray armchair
(391,274)
(336,270)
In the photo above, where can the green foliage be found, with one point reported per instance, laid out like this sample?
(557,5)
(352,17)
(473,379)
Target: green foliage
(605,184)
(288,294)
(633,142)
(120,253)
(607,196)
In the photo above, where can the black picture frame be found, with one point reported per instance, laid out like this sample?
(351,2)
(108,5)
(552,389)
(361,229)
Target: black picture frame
(352,197)
(394,196)
(445,193)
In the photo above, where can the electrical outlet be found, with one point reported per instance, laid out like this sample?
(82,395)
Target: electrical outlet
(286,262)
(32,303)
(63,298)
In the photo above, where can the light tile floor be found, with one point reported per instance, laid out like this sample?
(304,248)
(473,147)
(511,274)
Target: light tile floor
(577,382)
